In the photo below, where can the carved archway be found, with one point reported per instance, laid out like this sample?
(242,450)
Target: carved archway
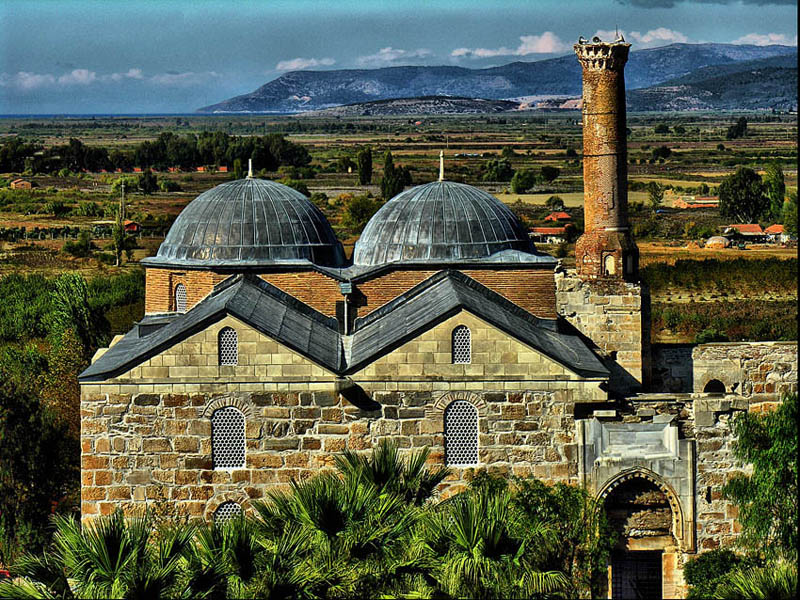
(641,473)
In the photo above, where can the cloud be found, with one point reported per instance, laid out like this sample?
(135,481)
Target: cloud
(297,64)
(672,3)
(767,39)
(26,81)
(655,37)
(131,74)
(78,77)
(547,43)
(184,79)
(389,55)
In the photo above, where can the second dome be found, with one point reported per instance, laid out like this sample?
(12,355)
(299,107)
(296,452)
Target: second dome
(440,221)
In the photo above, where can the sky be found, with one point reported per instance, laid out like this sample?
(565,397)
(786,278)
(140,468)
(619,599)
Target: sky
(174,56)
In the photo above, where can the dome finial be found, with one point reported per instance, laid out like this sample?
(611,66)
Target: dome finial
(441,165)
(249,168)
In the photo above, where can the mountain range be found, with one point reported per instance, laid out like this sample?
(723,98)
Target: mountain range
(684,67)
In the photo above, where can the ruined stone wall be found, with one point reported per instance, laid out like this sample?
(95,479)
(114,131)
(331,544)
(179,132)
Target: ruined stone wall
(614,316)
(761,371)
(143,448)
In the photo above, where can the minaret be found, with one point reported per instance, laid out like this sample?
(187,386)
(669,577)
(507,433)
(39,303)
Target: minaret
(441,165)
(606,249)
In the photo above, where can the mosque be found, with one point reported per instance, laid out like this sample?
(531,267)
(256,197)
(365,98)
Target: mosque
(264,352)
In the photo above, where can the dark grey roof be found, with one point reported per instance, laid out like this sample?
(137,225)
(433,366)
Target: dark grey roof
(248,298)
(445,294)
(315,336)
(441,222)
(249,222)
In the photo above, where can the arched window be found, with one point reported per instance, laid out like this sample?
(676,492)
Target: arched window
(180,298)
(227,511)
(715,386)
(610,265)
(228,344)
(462,345)
(227,438)
(461,434)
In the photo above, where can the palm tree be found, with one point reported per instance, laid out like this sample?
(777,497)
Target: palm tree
(776,581)
(109,558)
(484,552)
(385,469)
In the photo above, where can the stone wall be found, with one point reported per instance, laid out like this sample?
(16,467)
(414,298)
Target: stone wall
(143,448)
(613,316)
(757,370)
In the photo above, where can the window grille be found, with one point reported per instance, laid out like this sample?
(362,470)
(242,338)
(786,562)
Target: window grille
(461,434)
(227,438)
(462,345)
(227,511)
(228,343)
(180,297)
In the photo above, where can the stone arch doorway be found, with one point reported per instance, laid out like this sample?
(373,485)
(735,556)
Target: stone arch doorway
(645,514)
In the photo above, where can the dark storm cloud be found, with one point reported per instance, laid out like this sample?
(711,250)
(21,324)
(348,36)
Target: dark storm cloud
(672,3)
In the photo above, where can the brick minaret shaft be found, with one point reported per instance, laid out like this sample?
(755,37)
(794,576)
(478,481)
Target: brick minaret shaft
(606,250)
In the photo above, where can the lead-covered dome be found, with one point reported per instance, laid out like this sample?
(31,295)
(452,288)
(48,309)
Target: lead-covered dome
(445,222)
(250,222)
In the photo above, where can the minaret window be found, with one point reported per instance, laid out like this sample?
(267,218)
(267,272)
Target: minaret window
(227,438)
(228,343)
(462,345)
(461,434)
(227,511)
(180,298)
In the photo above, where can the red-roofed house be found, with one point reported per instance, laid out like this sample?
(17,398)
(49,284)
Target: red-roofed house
(558,216)
(131,226)
(751,232)
(775,233)
(223,169)
(548,235)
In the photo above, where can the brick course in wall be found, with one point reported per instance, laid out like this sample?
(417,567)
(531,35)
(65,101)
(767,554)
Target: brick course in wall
(530,289)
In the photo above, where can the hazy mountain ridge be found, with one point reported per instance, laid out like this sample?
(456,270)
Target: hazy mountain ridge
(299,91)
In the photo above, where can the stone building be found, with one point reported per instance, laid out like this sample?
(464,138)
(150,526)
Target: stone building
(264,352)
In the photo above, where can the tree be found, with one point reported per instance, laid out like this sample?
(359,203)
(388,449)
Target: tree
(523,181)
(661,152)
(789,216)
(147,182)
(364,159)
(737,131)
(775,189)
(549,174)
(554,203)
(498,170)
(661,128)
(238,172)
(392,182)
(767,499)
(742,197)
(508,152)
(655,195)
(358,211)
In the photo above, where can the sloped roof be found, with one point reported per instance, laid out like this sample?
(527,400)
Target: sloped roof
(248,298)
(558,216)
(445,294)
(316,337)
(746,228)
(777,228)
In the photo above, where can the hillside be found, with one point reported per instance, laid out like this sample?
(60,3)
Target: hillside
(430,105)
(760,84)
(299,91)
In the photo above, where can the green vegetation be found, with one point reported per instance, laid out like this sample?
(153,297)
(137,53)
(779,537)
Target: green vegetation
(742,197)
(728,321)
(364,159)
(731,276)
(767,503)
(372,529)
(49,329)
